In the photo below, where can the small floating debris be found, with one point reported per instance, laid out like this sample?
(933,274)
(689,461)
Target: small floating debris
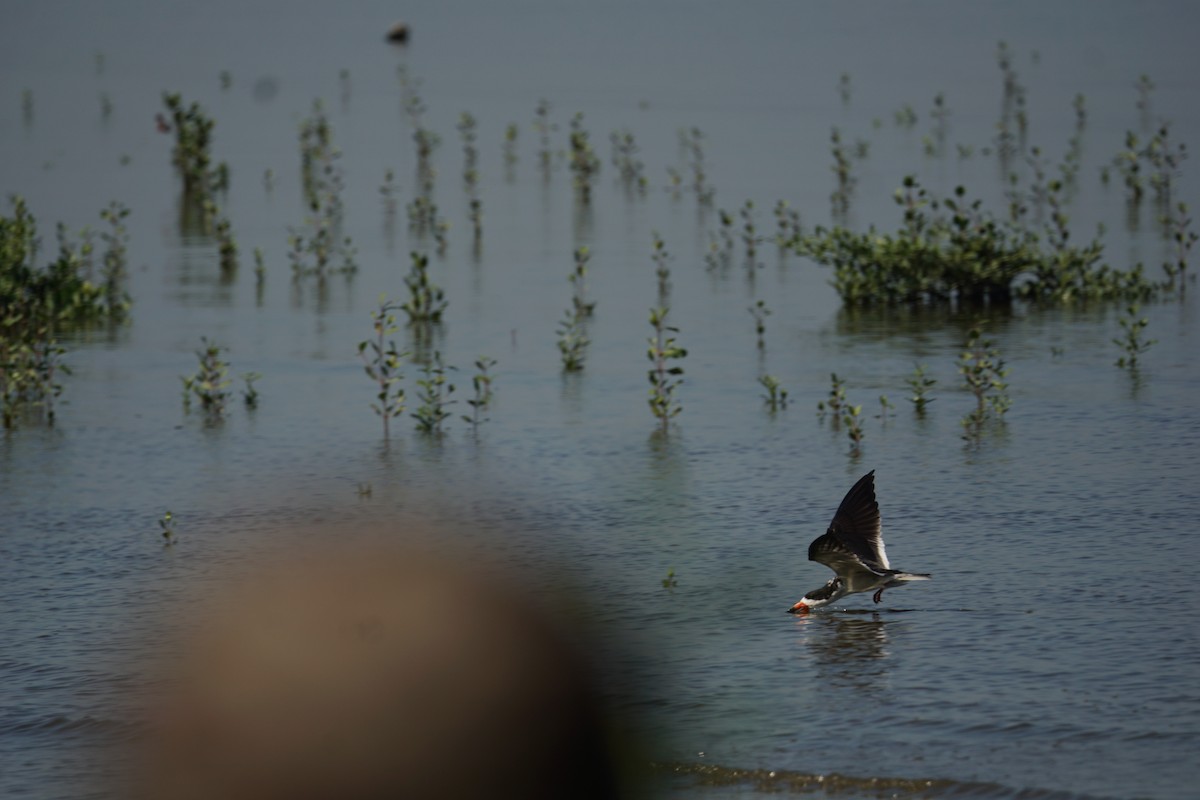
(398,32)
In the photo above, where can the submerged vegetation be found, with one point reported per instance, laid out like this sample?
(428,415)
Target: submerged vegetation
(481,383)
(664,353)
(381,360)
(426,300)
(192,154)
(572,330)
(584,162)
(983,372)
(166,525)
(319,247)
(1131,342)
(919,384)
(209,383)
(952,250)
(947,250)
(572,341)
(776,396)
(433,390)
(39,304)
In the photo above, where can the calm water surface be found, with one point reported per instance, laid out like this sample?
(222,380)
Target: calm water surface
(1055,652)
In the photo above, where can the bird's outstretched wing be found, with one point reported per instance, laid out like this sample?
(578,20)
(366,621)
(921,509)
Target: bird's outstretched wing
(854,540)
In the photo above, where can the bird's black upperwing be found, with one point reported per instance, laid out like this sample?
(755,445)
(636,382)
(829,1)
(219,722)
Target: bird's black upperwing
(854,536)
(833,553)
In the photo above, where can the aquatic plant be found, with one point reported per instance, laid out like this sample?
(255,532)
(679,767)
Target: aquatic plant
(1180,229)
(905,117)
(544,128)
(852,419)
(842,170)
(572,341)
(920,383)
(691,140)
(661,259)
(29,370)
(886,407)
(624,158)
(469,179)
(584,163)
(1128,163)
(836,401)
(39,303)
(382,361)
(1145,90)
(260,273)
(481,383)
(935,142)
(578,279)
(388,190)
(433,390)
(312,252)
(787,224)
(674,182)
(314,247)
(760,312)
(426,301)
(1132,342)
(250,393)
(425,140)
(1073,158)
(664,372)
(721,243)
(116,242)
(65,293)
(750,237)
(1166,160)
(952,250)
(467,131)
(669,582)
(466,128)
(475,214)
(983,372)
(166,524)
(423,218)
(192,155)
(844,88)
(209,383)
(1009,142)
(226,245)
(776,396)
(572,334)
(511,132)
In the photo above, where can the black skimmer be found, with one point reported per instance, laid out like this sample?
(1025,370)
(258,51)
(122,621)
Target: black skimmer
(853,549)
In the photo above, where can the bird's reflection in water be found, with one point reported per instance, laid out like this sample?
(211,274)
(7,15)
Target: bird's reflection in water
(847,649)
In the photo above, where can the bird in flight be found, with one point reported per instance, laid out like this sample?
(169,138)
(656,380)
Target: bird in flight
(853,549)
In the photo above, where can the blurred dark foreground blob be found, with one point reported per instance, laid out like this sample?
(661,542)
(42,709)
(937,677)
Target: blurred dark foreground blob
(378,674)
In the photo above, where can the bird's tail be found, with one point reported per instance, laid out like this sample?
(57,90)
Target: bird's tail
(912,576)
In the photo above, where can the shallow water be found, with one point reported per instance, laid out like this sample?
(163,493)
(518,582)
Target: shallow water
(1053,655)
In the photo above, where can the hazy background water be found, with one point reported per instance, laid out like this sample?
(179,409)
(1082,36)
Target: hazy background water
(1056,648)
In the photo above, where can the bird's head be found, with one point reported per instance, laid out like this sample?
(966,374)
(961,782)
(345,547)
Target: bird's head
(803,607)
(831,591)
